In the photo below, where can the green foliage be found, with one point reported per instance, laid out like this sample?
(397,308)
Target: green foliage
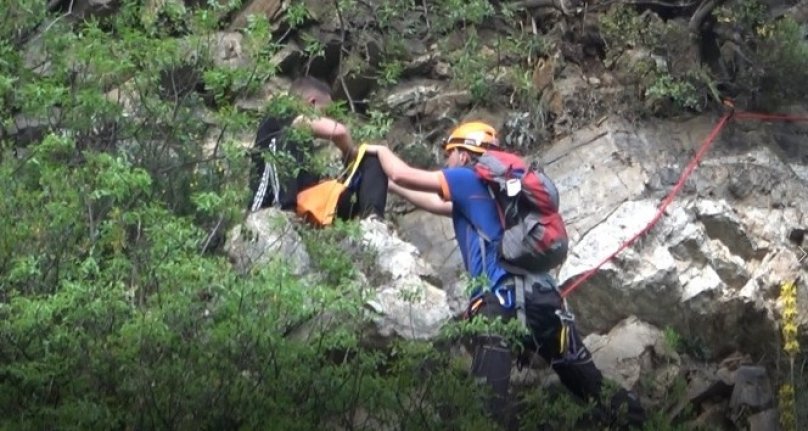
(336,266)
(682,93)
(749,14)
(390,11)
(312,46)
(376,127)
(110,316)
(663,91)
(675,400)
(672,338)
(465,12)
(561,412)
(784,56)
(526,45)
(296,14)
(758,59)
(394,24)
(390,71)
(622,27)
(471,69)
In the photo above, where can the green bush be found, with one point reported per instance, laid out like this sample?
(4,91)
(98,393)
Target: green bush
(114,313)
(120,159)
(784,57)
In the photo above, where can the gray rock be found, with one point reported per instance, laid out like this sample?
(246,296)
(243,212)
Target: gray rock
(722,224)
(752,390)
(621,353)
(407,95)
(270,9)
(714,260)
(226,49)
(434,237)
(767,420)
(397,258)
(406,305)
(593,180)
(410,308)
(273,87)
(86,8)
(267,236)
(424,98)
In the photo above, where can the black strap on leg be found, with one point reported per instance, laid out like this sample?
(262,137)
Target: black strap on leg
(520,287)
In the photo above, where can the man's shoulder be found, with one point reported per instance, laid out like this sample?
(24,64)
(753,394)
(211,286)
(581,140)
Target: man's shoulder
(462,183)
(271,127)
(275,122)
(460,172)
(461,177)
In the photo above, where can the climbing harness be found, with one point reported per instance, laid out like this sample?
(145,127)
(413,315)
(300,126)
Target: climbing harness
(567,345)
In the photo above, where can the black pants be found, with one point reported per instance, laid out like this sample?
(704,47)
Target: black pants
(574,366)
(367,194)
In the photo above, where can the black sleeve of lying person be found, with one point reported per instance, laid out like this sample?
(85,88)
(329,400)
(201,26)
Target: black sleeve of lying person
(273,142)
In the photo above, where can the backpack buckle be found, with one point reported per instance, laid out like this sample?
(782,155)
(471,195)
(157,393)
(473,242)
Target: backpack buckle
(512,187)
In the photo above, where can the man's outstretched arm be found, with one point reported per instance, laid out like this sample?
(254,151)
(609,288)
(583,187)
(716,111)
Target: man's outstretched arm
(424,200)
(326,128)
(405,175)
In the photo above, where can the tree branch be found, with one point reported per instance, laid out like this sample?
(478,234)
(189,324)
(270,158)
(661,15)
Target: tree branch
(530,4)
(701,13)
(426,15)
(341,48)
(212,234)
(69,11)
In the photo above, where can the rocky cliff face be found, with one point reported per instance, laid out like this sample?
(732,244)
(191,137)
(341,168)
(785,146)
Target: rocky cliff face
(714,263)
(709,271)
(580,87)
(124,124)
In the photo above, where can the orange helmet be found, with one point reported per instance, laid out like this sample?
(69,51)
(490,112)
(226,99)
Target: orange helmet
(474,136)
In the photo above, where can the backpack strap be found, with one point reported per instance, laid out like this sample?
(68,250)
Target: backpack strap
(500,212)
(519,292)
(521,284)
(482,239)
(360,154)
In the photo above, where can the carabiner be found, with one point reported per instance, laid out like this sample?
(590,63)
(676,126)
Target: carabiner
(504,296)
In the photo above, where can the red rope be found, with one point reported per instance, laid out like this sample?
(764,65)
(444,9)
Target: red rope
(679,184)
(769,117)
(661,210)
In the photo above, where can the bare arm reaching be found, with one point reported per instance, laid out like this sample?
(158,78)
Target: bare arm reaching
(326,128)
(404,175)
(424,200)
